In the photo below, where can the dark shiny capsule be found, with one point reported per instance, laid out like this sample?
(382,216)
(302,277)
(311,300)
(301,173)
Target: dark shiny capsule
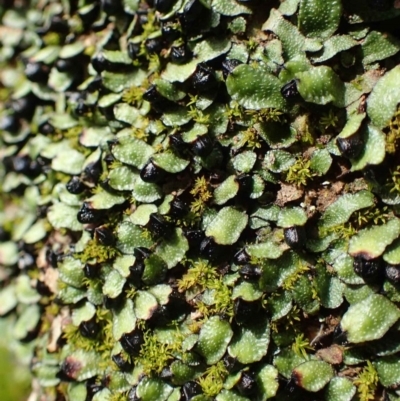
(350,147)
(247,385)
(113,303)
(241,257)
(104,235)
(289,91)
(21,164)
(295,237)
(24,107)
(81,108)
(52,257)
(202,146)
(123,364)
(368,269)
(203,79)
(133,50)
(191,389)
(131,342)
(180,54)
(392,273)
(245,182)
(91,271)
(169,31)
(152,95)
(87,215)
(152,173)
(75,186)
(65,65)
(245,311)
(177,143)
(89,15)
(26,261)
(99,63)
(141,253)
(93,171)
(136,273)
(194,11)
(210,250)
(93,387)
(46,128)
(90,328)
(10,123)
(163,6)
(95,84)
(153,45)
(250,272)
(4,235)
(36,72)
(111,7)
(43,289)
(178,208)
(229,65)
(158,226)
(231,364)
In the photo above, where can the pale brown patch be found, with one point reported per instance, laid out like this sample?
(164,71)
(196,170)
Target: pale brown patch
(328,194)
(288,193)
(332,354)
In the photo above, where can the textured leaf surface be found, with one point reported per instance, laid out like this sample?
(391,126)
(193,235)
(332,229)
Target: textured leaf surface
(340,389)
(251,343)
(255,88)
(313,375)
(227,226)
(372,242)
(369,319)
(318,18)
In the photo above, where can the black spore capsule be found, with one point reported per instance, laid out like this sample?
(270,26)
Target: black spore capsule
(247,385)
(91,270)
(158,226)
(75,186)
(392,273)
(231,363)
(177,143)
(289,90)
(250,272)
(133,50)
(65,65)
(178,208)
(180,54)
(369,269)
(163,5)
(36,72)
(46,128)
(131,342)
(9,123)
(191,389)
(89,328)
(152,173)
(123,364)
(24,107)
(111,7)
(170,31)
(350,147)
(203,78)
(229,65)
(153,45)
(246,183)
(210,250)
(202,146)
(295,237)
(88,215)
(104,235)
(194,237)
(245,311)
(241,257)
(93,171)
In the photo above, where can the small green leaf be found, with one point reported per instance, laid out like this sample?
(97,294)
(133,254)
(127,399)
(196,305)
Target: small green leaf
(214,337)
(226,190)
(267,380)
(250,344)
(105,200)
(388,369)
(229,8)
(313,375)
(291,216)
(384,98)
(27,322)
(68,161)
(369,319)
(169,162)
(227,226)
(146,192)
(319,19)
(124,320)
(253,87)
(378,46)
(340,211)
(321,85)
(153,389)
(333,46)
(71,271)
(320,161)
(340,389)
(114,284)
(392,253)
(278,161)
(145,305)
(132,151)
(173,249)
(227,395)
(372,242)
(130,236)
